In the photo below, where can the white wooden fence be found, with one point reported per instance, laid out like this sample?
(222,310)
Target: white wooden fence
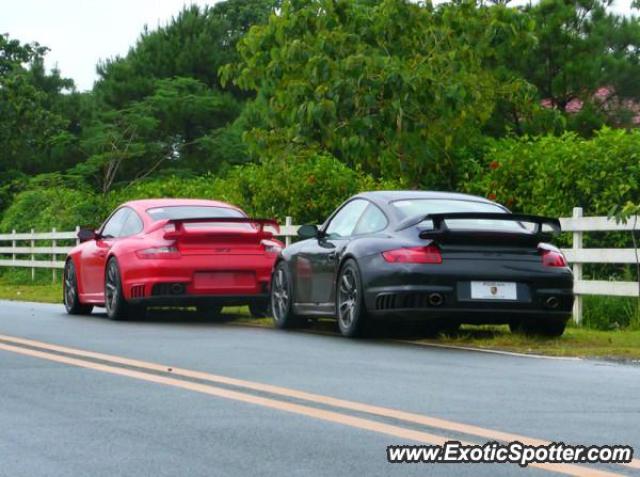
(22,250)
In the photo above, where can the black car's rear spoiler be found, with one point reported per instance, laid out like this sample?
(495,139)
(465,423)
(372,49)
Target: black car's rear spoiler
(440,229)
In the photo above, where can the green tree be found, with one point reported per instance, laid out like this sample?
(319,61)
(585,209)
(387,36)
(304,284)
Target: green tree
(582,46)
(390,86)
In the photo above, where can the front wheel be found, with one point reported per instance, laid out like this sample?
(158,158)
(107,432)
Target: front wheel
(352,315)
(282,299)
(70,294)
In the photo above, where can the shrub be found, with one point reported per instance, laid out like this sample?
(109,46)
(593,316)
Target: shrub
(59,207)
(551,175)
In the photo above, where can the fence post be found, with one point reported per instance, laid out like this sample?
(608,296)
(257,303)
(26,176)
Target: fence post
(53,255)
(13,246)
(287,238)
(33,257)
(577,269)
(77,231)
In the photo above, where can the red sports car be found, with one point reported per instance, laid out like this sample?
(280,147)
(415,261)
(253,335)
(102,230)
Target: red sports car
(180,252)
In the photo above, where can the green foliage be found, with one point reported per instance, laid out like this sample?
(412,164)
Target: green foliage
(303,184)
(551,175)
(393,87)
(45,208)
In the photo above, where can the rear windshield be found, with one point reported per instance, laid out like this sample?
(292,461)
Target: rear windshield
(415,207)
(197,212)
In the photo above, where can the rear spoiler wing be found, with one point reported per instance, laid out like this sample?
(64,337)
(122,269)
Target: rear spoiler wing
(180,230)
(440,228)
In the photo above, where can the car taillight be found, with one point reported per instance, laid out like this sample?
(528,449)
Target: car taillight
(551,256)
(271,247)
(159,252)
(428,254)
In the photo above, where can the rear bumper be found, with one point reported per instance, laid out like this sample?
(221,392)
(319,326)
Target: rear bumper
(200,300)
(193,278)
(406,290)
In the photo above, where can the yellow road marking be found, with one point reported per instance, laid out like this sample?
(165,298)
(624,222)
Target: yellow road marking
(344,419)
(442,424)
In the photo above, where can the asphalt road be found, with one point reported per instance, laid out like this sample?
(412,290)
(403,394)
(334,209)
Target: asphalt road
(64,412)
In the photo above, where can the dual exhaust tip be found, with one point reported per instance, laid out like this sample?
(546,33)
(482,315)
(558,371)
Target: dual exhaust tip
(552,302)
(435,299)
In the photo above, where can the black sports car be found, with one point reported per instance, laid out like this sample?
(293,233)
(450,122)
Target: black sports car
(443,258)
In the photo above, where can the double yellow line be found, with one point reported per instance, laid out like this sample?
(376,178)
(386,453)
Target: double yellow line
(169,376)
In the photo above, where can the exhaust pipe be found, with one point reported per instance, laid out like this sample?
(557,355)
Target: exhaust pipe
(436,299)
(552,302)
(177,289)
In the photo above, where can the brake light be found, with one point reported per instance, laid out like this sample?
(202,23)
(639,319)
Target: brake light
(551,256)
(159,252)
(271,247)
(428,254)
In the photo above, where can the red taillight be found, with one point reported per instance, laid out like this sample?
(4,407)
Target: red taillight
(158,252)
(553,258)
(271,247)
(428,254)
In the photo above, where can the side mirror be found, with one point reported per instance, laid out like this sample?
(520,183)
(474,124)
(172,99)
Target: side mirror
(87,234)
(308,231)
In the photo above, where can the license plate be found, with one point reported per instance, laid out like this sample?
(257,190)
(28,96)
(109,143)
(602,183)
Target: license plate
(493,291)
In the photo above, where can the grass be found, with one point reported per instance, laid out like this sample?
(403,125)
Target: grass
(38,292)
(582,342)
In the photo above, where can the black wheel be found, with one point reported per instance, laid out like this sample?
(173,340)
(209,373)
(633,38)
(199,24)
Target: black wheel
(550,328)
(70,294)
(114,301)
(259,310)
(352,315)
(282,299)
(210,311)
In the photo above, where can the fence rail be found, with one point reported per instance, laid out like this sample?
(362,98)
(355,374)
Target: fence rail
(51,256)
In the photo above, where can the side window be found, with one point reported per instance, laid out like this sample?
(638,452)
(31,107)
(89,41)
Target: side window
(114,225)
(133,225)
(345,220)
(373,220)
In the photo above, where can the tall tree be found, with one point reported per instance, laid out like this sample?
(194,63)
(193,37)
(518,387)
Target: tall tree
(391,86)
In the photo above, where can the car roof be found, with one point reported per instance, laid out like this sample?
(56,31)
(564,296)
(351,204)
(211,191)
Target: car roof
(143,205)
(386,196)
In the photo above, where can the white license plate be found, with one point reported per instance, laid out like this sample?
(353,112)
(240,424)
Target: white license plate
(493,291)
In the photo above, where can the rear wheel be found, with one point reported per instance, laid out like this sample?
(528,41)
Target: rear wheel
(352,315)
(114,300)
(282,299)
(70,294)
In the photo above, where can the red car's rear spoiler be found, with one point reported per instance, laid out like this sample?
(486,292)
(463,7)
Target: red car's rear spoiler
(180,230)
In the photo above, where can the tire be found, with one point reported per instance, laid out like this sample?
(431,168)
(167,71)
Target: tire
(350,308)
(548,328)
(70,295)
(282,299)
(117,307)
(210,311)
(260,310)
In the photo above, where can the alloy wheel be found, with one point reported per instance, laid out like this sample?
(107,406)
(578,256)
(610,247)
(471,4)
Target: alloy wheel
(347,298)
(112,288)
(280,295)
(69,285)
